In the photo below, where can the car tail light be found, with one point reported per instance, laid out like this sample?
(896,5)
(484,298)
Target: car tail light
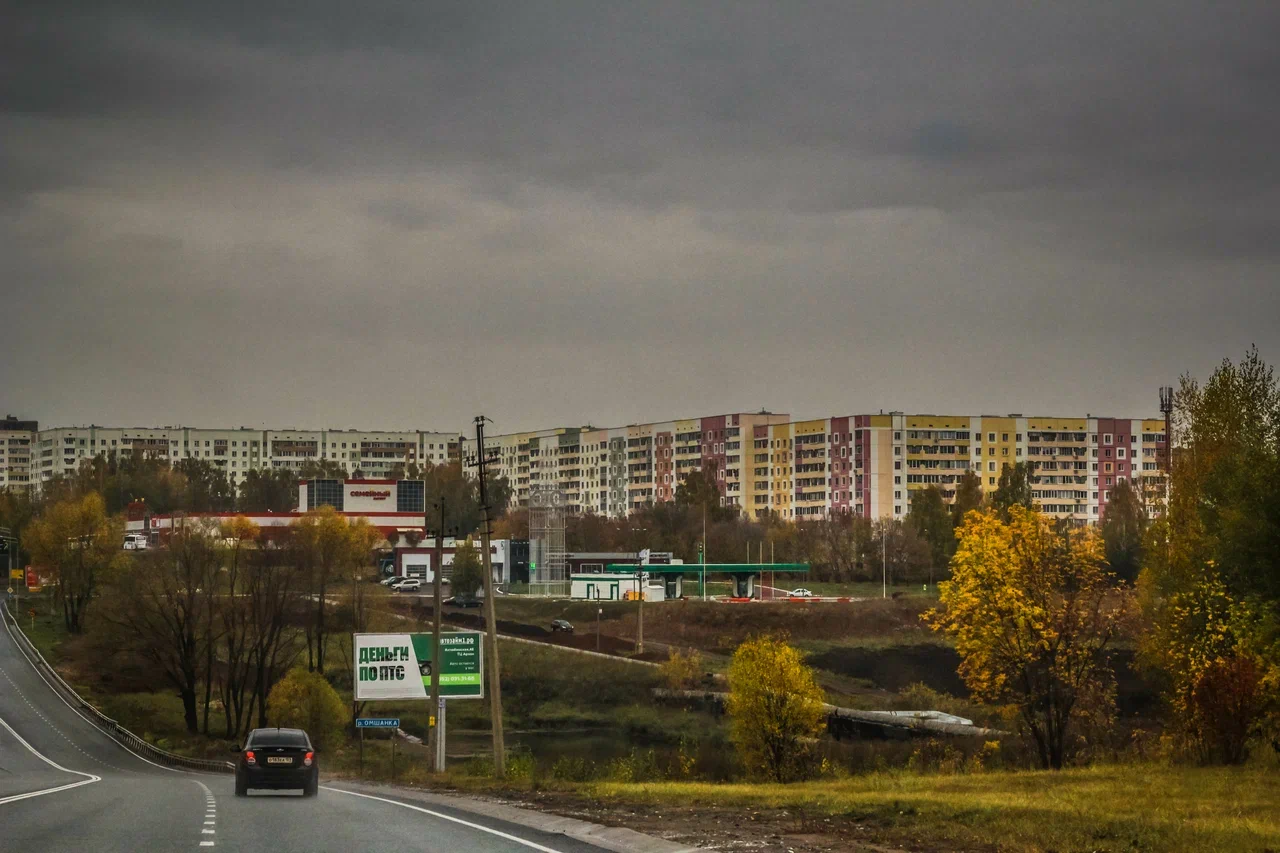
(307,761)
(248,757)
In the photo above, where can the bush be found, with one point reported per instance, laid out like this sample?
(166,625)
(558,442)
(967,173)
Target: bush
(682,671)
(305,700)
(637,766)
(775,707)
(572,769)
(1226,704)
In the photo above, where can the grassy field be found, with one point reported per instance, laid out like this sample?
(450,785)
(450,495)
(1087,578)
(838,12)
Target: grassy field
(1114,808)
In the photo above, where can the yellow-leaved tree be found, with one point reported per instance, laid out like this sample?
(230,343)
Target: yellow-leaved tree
(1028,609)
(305,700)
(776,708)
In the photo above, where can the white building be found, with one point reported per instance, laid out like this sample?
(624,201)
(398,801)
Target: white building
(238,451)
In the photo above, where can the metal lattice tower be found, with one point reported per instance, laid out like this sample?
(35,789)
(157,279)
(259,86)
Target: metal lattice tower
(546,534)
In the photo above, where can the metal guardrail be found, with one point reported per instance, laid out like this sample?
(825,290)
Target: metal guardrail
(108,726)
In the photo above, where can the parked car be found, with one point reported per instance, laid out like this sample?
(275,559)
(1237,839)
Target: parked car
(277,758)
(407,585)
(390,581)
(462,601)
(561,625)
(135,542)
(800,593)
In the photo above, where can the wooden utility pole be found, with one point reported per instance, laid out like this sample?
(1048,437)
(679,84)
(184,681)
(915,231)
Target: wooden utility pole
(437,567)
(490,614)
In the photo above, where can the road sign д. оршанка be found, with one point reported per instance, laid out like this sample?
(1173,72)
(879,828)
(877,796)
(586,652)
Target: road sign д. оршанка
(398,666)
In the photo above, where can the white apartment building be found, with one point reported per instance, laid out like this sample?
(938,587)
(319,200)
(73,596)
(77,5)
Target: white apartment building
(238,451)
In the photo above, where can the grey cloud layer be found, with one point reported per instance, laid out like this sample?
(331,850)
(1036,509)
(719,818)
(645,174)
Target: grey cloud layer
(812,206)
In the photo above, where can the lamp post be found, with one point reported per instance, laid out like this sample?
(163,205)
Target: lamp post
(599,613)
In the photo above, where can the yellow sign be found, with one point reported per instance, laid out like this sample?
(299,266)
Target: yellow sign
(15,574)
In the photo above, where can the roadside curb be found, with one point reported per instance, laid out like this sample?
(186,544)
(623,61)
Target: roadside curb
(613,838)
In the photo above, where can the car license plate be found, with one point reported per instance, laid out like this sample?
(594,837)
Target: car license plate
(279,759)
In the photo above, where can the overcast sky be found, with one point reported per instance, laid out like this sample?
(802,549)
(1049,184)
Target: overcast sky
(397,215)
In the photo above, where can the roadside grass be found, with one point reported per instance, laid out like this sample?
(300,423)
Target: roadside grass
(1109,808)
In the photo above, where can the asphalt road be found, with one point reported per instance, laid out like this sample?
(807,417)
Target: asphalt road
(65,786)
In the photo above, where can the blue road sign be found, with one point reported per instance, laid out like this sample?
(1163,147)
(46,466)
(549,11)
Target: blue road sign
(378,723)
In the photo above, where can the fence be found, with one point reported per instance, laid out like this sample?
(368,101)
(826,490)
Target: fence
(108,726)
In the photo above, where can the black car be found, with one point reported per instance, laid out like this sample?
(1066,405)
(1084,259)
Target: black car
(277,758)
(463,601)
(558,625)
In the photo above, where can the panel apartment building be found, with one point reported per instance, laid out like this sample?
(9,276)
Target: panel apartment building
(17,438)
(867,465)
(239,451)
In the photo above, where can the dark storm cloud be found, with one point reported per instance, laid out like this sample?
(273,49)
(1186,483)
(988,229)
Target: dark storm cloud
(878,192)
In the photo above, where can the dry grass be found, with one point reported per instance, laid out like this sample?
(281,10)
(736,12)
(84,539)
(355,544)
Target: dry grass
(1113,808)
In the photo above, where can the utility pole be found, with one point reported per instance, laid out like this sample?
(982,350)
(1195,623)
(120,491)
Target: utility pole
(640,618)
(884,560)
(490,614)
(437,705)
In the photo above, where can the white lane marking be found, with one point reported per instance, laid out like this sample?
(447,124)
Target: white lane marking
(73,708)
(509,837)
(210,805)
(89,778)
(56,730)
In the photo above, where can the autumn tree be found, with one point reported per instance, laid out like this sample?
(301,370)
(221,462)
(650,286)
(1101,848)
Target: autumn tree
(968,496)
(239,537)
(775,708)
(1210,584)
(79,543)
(306,701)
(163,600)
(329,549)
(1027,611)
(467,570)
(1012,489)
(699,491)
(1123,528)
(931,520)
(267,490)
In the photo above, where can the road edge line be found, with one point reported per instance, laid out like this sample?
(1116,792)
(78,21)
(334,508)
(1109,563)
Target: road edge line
(89,779)
(615,839)
(442,816)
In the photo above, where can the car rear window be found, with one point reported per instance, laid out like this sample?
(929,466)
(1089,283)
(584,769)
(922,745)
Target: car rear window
(278,739)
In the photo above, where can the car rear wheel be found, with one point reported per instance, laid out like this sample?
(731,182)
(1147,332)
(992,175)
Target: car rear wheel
(312,786)
(242,786)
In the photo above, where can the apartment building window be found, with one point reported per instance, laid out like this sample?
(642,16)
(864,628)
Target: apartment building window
(991,466)
(1120,452)
(1106,438)
(1004,436)
(991,481)
(897,451)
(1004,451)
(897,481)
(1017,436)
(991,451)
(1104,494)
(897,436)
(897,510)
(897,465)
(897,496)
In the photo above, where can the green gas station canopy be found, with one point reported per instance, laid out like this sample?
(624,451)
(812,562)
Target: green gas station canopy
(709,568)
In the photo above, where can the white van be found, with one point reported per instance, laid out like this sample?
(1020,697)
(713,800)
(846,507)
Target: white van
(135,542)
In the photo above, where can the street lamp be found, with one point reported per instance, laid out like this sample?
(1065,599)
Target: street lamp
(599,613)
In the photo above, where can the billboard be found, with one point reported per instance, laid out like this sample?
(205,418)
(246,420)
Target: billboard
(398,666)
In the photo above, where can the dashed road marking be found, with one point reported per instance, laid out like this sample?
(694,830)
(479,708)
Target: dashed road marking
(211,805)
(56,730)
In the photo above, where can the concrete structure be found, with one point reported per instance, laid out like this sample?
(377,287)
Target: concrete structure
(613,586)
(17,440)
